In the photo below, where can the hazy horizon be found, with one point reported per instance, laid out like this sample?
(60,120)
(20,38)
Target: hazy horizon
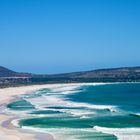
(61,36)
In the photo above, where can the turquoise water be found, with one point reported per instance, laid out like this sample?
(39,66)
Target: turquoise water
(77,112)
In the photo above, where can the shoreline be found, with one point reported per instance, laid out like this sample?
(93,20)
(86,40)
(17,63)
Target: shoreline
(7,130)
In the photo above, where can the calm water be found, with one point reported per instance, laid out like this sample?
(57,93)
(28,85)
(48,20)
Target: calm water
(77,112)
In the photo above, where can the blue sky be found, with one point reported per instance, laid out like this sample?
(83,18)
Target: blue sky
(56,36)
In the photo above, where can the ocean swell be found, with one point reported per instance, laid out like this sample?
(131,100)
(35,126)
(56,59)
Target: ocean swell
(121,133)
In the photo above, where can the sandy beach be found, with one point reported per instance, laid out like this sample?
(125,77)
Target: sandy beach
(7,130)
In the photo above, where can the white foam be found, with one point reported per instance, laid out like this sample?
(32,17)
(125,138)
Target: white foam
(56,133)
(76,112)
(138,114)
(65,88)
(57,100)
(72,88)
(45,101)
(121,133)
(62,133)
(15,122)
(16,112)
(84,117)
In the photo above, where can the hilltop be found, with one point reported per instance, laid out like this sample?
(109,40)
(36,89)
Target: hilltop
(125,74)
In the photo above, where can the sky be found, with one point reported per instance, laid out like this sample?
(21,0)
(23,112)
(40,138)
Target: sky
(57,36)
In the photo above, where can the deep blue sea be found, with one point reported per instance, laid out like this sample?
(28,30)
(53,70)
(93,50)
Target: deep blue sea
(82,111)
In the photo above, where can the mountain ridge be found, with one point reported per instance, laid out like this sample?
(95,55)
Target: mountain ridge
(121,74)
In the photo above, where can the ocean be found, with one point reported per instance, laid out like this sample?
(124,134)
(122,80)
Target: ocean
(81,112)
